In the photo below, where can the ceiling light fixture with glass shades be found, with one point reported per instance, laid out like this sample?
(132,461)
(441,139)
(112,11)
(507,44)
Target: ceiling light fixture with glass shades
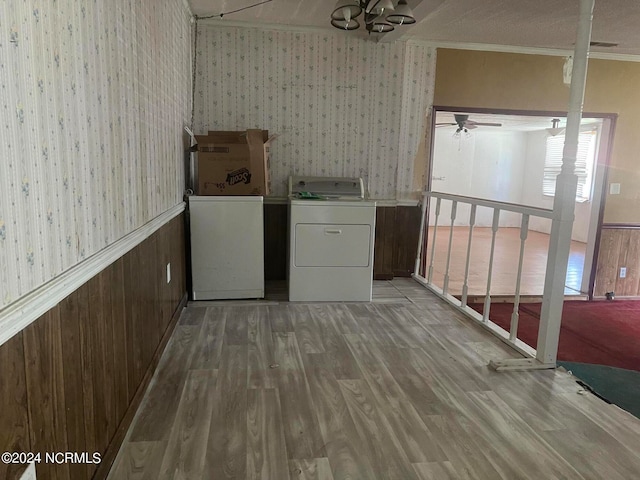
(380,16)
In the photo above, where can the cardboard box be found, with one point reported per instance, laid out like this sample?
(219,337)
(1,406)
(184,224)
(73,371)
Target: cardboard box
(233,163)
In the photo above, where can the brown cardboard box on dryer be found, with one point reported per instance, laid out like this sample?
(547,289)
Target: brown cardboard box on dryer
(233,163)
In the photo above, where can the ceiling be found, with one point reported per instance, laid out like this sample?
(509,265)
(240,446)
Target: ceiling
(538,24)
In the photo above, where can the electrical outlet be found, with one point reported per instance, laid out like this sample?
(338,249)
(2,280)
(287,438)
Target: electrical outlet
(614,189)
(623,272)
(168,273)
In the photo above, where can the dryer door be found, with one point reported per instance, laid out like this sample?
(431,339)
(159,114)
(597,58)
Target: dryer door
(331,245)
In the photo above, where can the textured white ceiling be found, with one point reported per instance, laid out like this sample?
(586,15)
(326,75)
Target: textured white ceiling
(540,23)
(524,23)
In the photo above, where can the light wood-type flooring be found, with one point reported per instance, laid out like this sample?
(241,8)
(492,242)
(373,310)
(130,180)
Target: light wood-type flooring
(505,263)
(394,389)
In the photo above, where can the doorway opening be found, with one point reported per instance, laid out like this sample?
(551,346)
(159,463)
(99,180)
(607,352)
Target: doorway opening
(514,157)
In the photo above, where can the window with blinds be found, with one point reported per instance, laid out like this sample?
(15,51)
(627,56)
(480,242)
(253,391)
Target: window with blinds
(585,161)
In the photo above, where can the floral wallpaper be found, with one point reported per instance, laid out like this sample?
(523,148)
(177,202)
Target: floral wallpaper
(94,98)
(342,105)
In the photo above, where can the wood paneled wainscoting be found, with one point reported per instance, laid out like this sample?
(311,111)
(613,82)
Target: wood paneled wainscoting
(619,247)
(397,233)
(73,379)
(396,241)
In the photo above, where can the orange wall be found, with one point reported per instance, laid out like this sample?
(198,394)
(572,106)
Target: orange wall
(466,78)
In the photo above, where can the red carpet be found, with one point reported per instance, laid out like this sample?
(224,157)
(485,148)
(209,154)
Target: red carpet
(603,333)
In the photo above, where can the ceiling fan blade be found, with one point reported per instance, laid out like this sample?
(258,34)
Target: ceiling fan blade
(470,126)
(482,124)
(443,124)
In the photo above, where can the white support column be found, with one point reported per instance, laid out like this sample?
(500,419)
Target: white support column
(564,200)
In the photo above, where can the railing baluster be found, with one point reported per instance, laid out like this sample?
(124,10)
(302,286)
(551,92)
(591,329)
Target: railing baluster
(417,269)
(515,316)
(454,208)
(433,242)
(465,285)
(494,231)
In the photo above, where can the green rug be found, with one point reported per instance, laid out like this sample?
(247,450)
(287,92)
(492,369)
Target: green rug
(616,385)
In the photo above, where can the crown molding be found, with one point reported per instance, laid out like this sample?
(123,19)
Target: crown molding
(277,27)
(225,22)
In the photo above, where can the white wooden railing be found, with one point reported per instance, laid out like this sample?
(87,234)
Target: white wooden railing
(562,216)
(426,275)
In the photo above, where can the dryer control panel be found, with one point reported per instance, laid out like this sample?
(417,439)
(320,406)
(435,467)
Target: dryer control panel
(327,188)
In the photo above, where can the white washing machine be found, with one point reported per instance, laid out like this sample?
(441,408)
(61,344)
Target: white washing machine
(331,239)
(227,252)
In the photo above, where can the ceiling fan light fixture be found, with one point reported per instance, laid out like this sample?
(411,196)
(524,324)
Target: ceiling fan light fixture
(555,130)
(380,16)
(402,15)
(351,24)
(379,7)
(462,133)
(461,120)
(380,25)
(346,10)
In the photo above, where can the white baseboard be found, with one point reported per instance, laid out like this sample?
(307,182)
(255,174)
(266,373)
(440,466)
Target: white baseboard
(21,313)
